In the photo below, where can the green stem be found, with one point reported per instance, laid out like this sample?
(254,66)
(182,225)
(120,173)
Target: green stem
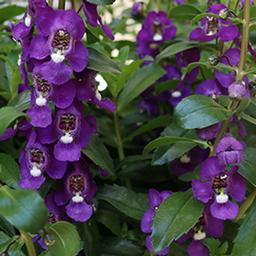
(73,4)
(119,141)
(159,5)
(62,4)
(28,242)
(246,205)
(50,2)
(245,39)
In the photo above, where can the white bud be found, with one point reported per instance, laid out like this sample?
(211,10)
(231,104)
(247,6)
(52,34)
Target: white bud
(185,159)
(102,83)
(221,198)
(176,94)
(66,139)
(57,57)
(27,20)
(98,95)
(199,235)
(157,37)
(77,198)
(35,172)
(41,101)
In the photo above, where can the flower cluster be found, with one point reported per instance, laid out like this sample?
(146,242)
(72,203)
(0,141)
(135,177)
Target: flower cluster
(55,57)
(220,186)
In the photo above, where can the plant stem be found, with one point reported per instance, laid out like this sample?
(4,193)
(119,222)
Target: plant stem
(118,137)
(50,2)
(245,39)
(62,4)
(159,5)
(28,242)
(73,5)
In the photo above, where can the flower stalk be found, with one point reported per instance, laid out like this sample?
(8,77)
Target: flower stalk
(62,4)
(29,243)
(245,39)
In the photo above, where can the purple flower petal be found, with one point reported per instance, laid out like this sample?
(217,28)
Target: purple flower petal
(39,48)
(146,221)
(237,187)
(202,190)
(67,152)
(197,248)
(211,167)
(40,116)
(225,211)
(79,211)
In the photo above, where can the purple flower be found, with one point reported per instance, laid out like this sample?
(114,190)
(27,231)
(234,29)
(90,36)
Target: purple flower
(86,90)
(72,132)
(156,29)
(155,199)
(180,92)
(34,161)
(216,188)
(7,134)
(188,161)
(208,88)
(229,150)
(137,10)
(209,133)
(186,57)
(215,28)
(238,89)
(207,225)
(60,34)
(91,13)
(79,191)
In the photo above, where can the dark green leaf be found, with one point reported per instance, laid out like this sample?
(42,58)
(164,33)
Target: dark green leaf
(247,166)
(199,111)
(160,121)
(10,11)
(9,170)
(173,49)
(65,240)
(24,209)
(184,12)
(167,140)
(244,243)
(102,63)
(99,154)
(127,201)
(7,116)
(138,82)
(174,217)
(248,118)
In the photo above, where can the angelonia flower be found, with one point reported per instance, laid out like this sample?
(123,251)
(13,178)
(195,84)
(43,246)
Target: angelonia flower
(137,10)
(215,28)
(156,29)
(53,65)
(155,199)
(218,185)
(94,19)
(207,226)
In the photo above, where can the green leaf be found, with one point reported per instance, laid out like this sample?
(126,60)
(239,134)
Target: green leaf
(247,166)
(101,2)
(24,209)
(184,12)
(7,116)
(167,140)
(244,243)
(174,217)
(248,118)
(10,11)
(99,154)
(139,82)
(199,111)
(173,49)
(160,121)
(127,201)
(9,170)
(102,63)
(65,240)
(124,76)
(22,101)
